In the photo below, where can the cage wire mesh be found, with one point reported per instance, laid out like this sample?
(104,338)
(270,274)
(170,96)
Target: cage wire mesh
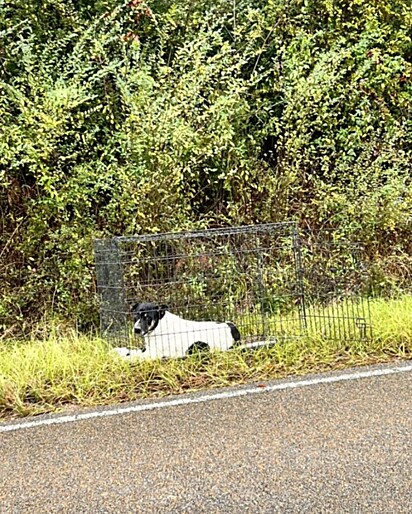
(336,282)
(270,281)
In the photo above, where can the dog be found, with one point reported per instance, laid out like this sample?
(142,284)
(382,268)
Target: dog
(169,336)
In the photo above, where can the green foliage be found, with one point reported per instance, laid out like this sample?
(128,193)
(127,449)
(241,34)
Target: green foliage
(133,117)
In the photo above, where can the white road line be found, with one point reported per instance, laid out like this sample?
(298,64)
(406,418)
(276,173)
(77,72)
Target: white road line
(355,375)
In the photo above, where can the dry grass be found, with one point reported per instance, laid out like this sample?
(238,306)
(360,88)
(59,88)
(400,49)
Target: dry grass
(68,369)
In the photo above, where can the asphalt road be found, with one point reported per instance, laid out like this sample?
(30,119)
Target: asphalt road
(342,447)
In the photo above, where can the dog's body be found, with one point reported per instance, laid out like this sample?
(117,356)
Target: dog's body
(168,335)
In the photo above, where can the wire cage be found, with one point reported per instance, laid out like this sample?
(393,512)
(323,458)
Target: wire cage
(271,282)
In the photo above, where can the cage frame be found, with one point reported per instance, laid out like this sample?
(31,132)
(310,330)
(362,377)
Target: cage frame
(112,290)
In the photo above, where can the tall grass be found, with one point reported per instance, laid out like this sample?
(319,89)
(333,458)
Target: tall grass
(70,369)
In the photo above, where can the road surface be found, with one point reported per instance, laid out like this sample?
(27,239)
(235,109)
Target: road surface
(338,447)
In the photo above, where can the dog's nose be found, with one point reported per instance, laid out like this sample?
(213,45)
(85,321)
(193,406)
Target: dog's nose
(137,330)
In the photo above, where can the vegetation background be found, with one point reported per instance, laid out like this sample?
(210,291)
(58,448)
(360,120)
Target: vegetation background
(124,118)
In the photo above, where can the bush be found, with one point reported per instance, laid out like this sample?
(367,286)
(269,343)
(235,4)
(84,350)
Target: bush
(128,118)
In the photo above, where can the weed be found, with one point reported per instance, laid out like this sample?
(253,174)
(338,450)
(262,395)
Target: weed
(68,369)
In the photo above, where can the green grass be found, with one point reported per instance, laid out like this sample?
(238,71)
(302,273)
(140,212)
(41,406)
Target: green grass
(67,369)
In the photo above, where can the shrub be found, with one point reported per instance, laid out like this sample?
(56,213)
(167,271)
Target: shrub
(129,117)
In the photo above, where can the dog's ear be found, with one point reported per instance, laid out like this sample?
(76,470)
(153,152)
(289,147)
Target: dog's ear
(135,307)
(162,310)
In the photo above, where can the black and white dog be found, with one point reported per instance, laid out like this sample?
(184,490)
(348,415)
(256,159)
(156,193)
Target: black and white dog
(168,335)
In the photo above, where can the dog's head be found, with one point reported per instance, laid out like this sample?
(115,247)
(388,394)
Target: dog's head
(147,317)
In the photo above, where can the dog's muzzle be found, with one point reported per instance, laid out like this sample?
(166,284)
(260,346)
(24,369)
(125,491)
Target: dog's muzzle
(139,332)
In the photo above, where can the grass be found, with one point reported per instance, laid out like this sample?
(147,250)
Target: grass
(67,369)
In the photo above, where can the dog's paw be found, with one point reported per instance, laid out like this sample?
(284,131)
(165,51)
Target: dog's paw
(121,352)
(127,353)
(136,353)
